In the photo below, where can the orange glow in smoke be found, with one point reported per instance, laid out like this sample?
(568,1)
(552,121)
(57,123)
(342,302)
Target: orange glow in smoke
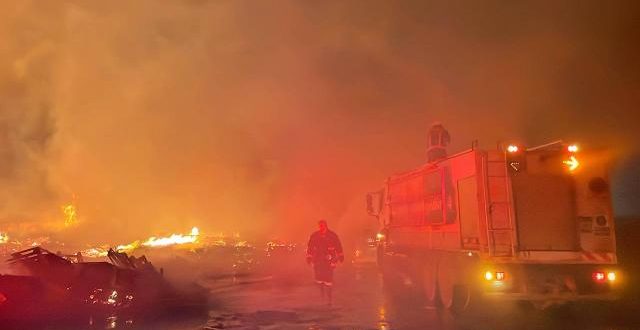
(4,238)
(70,215)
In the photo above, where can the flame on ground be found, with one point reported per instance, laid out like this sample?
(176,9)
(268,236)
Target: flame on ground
(152,242)
(174,239)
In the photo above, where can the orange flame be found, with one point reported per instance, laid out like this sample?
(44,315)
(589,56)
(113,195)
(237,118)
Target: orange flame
(70,215)
(94,252)
(174,239)
(4,238)
(128,247)
(152,242)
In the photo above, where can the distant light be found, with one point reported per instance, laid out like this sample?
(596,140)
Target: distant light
(380,236)
(488,276)
(572,148)
(572,163)
(499,276)
(512,148)
(611,276)
(470,254)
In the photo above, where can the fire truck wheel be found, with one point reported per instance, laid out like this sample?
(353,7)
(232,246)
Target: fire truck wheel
(461,299)
(453,295)
(429,285)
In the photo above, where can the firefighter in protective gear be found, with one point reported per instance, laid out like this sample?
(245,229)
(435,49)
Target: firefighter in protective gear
(324,251)
(438,140)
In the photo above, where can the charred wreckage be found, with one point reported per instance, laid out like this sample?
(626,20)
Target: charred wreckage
(50,286)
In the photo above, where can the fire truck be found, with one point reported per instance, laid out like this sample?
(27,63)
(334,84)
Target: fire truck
(513,223)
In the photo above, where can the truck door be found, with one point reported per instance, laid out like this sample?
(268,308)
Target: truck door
(469,211)
(545,212)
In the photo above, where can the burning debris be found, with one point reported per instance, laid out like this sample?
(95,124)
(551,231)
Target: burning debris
(51,285)
(174,239)
(102,281)
(274,247)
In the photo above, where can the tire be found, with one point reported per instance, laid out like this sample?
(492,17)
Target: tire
(454,294)
(461,299)
(430,284)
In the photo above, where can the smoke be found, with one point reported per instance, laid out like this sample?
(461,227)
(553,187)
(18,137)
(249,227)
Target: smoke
(263,117)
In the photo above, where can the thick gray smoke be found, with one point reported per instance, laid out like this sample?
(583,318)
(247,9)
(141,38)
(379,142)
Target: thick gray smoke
(262,117)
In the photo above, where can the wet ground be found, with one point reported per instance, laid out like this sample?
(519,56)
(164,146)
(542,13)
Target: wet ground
(361,302)
(290,300)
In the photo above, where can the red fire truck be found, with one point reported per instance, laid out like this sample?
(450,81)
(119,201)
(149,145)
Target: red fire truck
(515,223)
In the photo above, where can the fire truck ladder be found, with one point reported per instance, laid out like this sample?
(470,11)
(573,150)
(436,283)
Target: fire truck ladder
(500,229)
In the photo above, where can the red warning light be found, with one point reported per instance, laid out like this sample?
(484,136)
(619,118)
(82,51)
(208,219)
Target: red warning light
(599,277)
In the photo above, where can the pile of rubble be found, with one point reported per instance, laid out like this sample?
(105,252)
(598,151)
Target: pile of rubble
(49,286)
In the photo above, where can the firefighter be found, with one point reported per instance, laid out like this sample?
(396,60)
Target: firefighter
(324,251)
(438,140)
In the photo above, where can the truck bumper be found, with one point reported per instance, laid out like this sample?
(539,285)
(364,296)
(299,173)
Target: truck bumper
(556,298)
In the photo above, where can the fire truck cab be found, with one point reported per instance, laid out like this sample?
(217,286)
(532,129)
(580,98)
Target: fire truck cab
(514,223)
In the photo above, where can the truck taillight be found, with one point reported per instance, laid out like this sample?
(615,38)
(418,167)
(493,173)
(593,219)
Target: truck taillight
(599,277)
(488,276)
(602,277)
(494,276)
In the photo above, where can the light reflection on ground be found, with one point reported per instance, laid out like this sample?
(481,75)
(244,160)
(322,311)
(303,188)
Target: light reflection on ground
(289,300)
